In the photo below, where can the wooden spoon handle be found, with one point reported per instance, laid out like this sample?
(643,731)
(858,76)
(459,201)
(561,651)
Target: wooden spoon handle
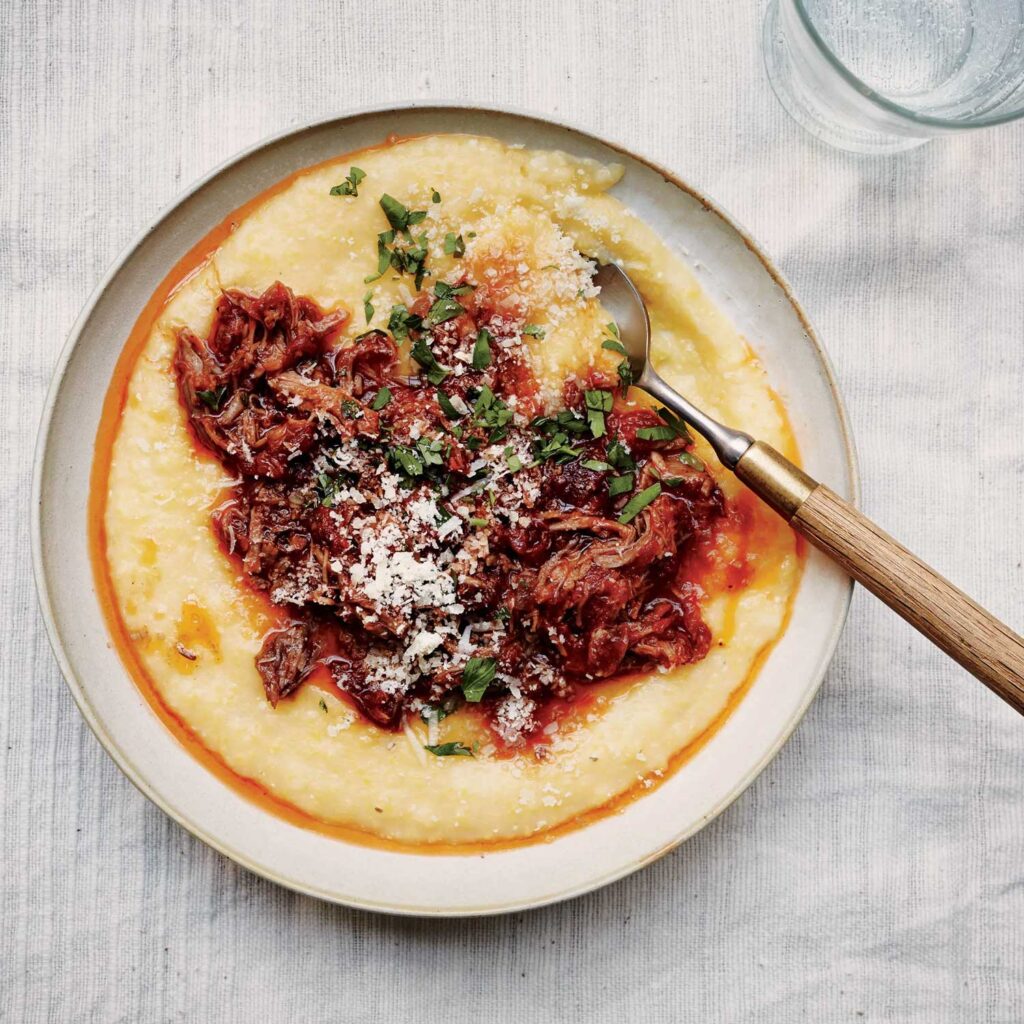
(930,603)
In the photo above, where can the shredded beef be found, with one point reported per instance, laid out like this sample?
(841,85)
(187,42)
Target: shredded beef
(408,522)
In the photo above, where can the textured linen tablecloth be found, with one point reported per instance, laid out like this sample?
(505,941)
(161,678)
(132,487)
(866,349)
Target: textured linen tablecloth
(874,871)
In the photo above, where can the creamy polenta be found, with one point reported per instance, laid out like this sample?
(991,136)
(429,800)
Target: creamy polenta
(195,627)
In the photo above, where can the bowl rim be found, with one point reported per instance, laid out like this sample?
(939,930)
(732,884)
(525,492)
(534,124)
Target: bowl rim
(41,452)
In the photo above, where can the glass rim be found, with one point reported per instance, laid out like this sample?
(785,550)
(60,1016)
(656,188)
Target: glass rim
(886,104)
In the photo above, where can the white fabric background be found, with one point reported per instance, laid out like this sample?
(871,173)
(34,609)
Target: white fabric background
(875,870)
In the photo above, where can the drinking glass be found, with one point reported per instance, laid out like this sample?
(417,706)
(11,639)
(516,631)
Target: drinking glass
(877,76)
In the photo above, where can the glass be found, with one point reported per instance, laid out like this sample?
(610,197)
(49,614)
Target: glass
(877,76)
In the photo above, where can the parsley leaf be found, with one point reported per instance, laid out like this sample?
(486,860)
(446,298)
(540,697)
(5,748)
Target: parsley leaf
(381,399)
(482,350)
(350,186)
(448,749)
(422,354)
(512,460)
(327,488)
(435,196)
(620,484)
(614,346)
(213,399)
(476,677)
(447,407)
(401,322)
(677,425)
(638,503)
(598,403)
(534,330)
(618,456)
(658,433)
(368,305)
(443,310)
(596,465)
(399,216)
(492,414)
(454,245)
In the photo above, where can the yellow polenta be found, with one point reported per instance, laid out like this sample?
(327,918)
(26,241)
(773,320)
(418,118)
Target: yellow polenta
(533,213)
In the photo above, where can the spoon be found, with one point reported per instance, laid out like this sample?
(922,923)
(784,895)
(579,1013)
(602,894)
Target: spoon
(931,604)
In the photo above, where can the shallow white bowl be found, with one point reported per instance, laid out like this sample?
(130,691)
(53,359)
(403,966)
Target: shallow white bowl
(746,286)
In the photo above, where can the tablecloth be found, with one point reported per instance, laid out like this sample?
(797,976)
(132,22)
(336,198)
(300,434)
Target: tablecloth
(874,871)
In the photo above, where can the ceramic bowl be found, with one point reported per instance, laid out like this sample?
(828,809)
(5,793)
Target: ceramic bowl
(737,275)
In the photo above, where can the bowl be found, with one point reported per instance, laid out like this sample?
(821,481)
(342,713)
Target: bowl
(737,276)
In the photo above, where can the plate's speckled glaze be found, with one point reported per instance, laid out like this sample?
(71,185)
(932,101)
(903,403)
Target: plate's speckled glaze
(747,288)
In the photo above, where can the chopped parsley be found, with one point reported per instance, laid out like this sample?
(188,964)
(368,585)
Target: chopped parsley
(213,399)
(368,305)
(638,503)
(596,465)
(620,484)
(448,749)
(512,460)
(534,330)
(350,186)
(447,407)
(327,489)
(598,403)
(417,460)
(400,217)
(435,372)
(401,322)
(476,677)
(477,521)
(482,350)
(618,456)
(454,245)
(492,414)
(614,346)
(323,705)
(676,423)
(381,399)
(658,433)
(435,196)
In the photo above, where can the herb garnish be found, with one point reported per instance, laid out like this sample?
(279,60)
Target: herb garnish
(476,677)
(381,399)
(658,433)
(512,460)
(323,705)
(534,330)
(492,414)
(598,403)
(213,399)
(416,461)
(422,354)
(447,407)
(350,186)
(620,484)
(448,749)
(368,305)
(401,322)
(400,217)
(638,503)
(454,245)
(327,489)
(482,350)
(435,196)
